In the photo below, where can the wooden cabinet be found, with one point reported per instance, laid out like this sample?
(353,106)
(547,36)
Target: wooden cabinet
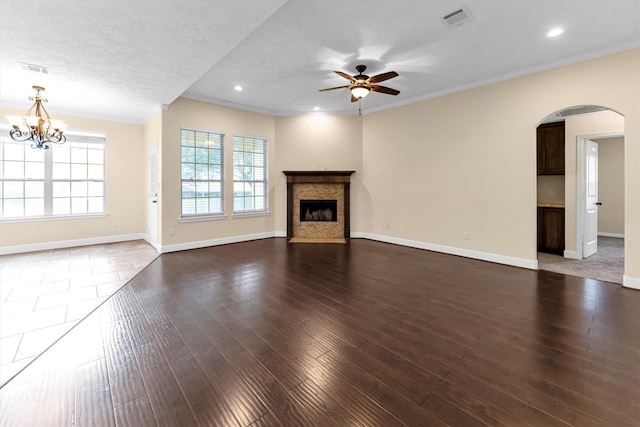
(551,230)
(550,143)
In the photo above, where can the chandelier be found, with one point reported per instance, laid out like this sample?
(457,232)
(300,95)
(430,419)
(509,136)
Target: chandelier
(36,125)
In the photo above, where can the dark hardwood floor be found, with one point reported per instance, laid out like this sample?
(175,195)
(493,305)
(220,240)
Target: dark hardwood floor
(267,333)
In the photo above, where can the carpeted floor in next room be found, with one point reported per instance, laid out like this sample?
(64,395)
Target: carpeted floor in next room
(606,265)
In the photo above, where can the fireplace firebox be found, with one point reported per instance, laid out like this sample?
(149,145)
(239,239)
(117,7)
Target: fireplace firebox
(319,210)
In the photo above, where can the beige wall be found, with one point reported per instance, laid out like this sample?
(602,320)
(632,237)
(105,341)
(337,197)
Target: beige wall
(585,125)
(204,116)
(466,162)
(611,185)
(125,189)
(318,142)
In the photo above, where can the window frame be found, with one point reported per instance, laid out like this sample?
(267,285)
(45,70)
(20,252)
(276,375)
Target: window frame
(48,180)
(208,215)
(265,181)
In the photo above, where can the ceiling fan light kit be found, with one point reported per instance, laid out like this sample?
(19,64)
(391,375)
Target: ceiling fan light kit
(361,84)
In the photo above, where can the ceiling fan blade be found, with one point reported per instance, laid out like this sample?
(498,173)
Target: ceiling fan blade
(345,75)
(333,88)
(382,77)
(384,89)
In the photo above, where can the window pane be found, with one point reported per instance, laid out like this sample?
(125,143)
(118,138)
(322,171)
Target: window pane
(78,189)
(61,171)
(188,190)
(188,154)
(14,151)
(13,190)
(62,153)
(188,171)
(78,155)
(96,204)
(95,156)
(78,171)
(188,206)
(202,205)
(33,170)
(61,189)
(31,155)
(34,189)
(34,207)
(96,189)
(13,207)
(13,170)
(62,206)
(95,172)
(202,171)
(78,205)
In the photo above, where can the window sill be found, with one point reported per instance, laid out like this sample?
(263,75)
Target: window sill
(52,218)
(202,218)
(250,214)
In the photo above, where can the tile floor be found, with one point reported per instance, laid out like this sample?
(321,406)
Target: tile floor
(44,294)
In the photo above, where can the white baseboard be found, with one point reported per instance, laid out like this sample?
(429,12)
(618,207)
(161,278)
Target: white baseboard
(619,236)
(215,242)
(571,254)
(484,256)
(631,282)
(45,246)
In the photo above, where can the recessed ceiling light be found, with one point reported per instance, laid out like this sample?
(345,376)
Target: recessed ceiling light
(238,88)
(316,108)
(555,32)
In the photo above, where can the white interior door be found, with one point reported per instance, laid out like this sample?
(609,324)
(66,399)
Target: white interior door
(590,241)
(152,210)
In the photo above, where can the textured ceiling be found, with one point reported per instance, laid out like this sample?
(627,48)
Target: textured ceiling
(123,59)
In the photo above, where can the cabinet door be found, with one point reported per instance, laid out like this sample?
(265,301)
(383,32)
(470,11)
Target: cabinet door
(550,148)
(551,230)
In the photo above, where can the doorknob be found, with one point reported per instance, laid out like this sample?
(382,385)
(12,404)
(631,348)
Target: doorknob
(598,203)
(154,201)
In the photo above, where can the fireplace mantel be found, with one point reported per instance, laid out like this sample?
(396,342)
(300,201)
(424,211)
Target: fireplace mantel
(318,177)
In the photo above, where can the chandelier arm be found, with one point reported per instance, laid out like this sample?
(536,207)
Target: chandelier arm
(20,136)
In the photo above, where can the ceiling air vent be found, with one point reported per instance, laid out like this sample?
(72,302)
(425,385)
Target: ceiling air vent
(35,68)
(581,110)
(457,18)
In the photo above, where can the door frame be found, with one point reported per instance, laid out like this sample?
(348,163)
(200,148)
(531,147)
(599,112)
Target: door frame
(581,185)
(152,199)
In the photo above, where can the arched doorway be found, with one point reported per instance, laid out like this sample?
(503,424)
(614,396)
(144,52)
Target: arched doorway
(563,197)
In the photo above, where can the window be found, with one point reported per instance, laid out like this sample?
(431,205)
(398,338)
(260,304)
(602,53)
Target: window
(249,174)
(202,172)
(65,180)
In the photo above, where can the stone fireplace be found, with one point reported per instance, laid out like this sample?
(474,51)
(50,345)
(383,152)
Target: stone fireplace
(318,205)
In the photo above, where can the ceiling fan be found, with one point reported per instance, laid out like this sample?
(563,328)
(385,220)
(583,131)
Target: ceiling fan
(361,85)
